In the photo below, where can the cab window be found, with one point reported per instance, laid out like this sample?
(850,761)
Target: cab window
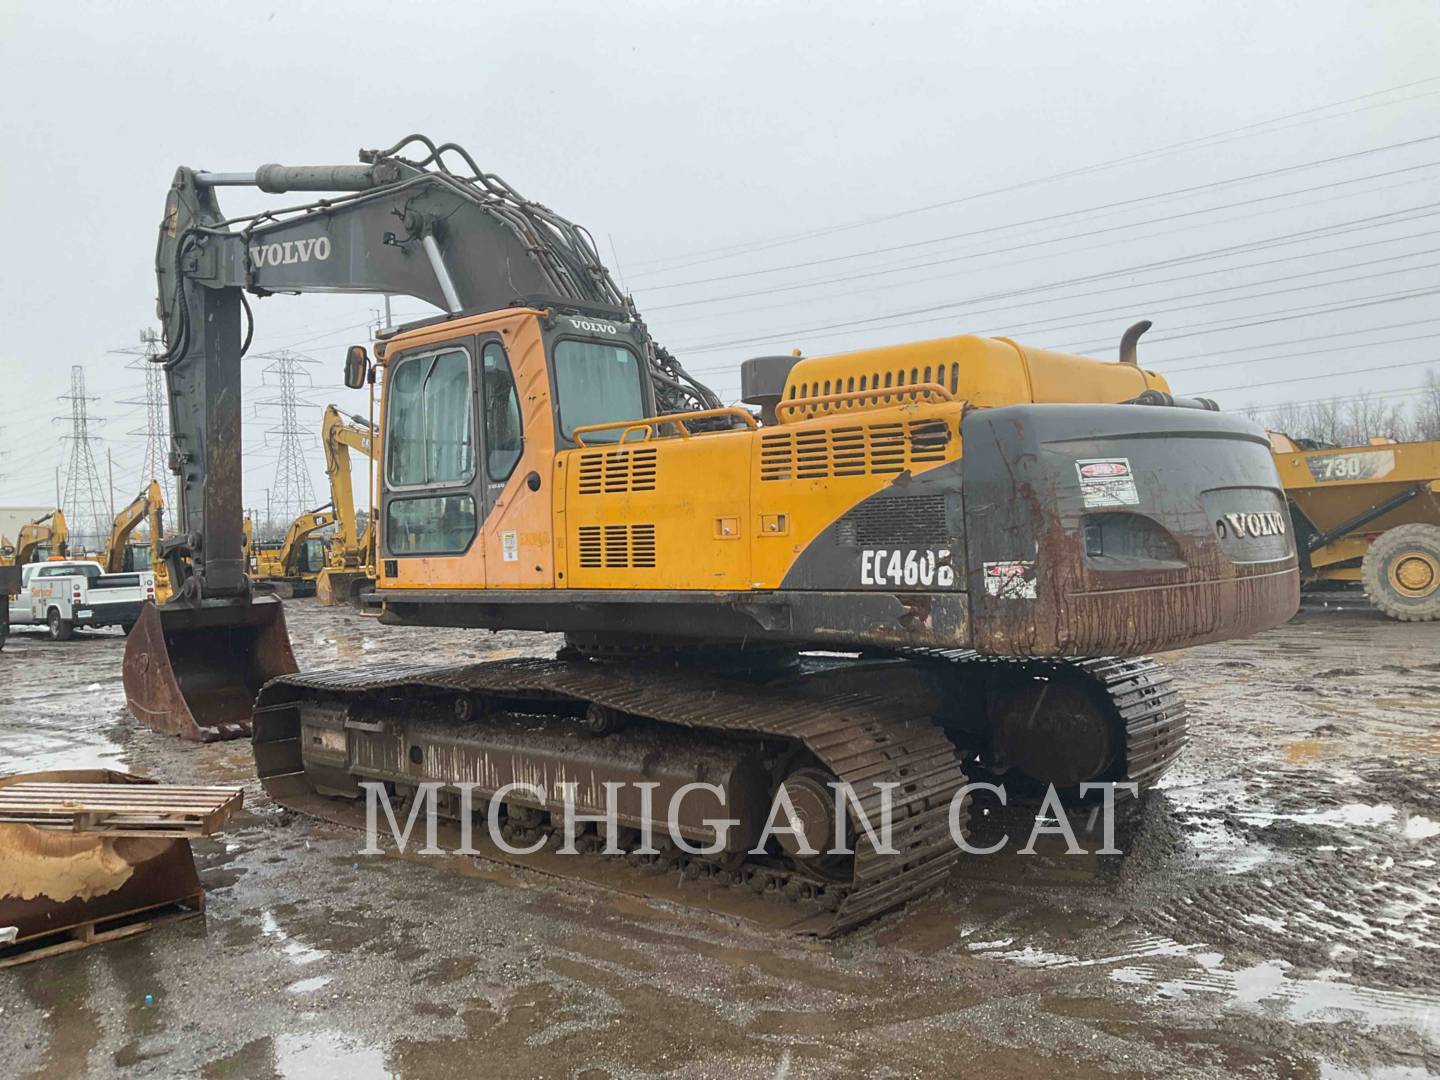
(503,440)
(432,440)
(596,383)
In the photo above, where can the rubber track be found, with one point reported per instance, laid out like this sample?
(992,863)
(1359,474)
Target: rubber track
(851,734)
(1140,691)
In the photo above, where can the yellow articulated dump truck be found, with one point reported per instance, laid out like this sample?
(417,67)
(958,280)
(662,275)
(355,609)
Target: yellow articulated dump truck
(1368,514)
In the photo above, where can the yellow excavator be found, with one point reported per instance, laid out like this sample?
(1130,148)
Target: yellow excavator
(350,563)
(123,557)
(44,538)
(904,566)
(291,567)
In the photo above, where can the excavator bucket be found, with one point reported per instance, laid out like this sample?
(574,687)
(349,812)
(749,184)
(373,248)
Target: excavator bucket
(194,672)
(91,855)
(335,586)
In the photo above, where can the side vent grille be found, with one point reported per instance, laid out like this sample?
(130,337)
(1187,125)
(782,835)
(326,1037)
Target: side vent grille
(852,450)
(610,472)
(889,387)
(899,520)
(617,547)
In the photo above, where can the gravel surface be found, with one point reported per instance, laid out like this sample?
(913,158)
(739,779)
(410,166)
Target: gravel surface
(1277,913)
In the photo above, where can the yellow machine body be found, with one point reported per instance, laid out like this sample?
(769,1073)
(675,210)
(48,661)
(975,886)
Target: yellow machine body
(738,506)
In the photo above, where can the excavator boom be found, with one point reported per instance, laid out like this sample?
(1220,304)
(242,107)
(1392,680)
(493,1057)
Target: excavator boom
(350,567)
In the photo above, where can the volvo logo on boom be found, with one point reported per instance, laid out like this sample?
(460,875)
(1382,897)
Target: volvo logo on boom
(1240,526)
(291,251)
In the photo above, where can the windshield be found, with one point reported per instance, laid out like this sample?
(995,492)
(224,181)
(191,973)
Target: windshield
(88,570)
(596,384)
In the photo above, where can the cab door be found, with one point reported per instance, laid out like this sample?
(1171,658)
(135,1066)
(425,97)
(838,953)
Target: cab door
(432,493)
(516,532)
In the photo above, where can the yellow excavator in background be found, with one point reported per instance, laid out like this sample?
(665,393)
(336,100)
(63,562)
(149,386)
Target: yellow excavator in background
(46,537)
(911,564)
(123,557)
(292,566)
(350,563)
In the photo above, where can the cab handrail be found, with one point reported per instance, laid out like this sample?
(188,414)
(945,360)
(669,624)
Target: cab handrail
(650,423)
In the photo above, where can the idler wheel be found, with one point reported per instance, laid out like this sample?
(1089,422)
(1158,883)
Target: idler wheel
(1053,731)
(814,802)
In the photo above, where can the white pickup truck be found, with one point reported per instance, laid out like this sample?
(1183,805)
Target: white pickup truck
(64,595)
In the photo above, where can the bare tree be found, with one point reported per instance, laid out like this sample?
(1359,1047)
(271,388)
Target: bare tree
(1427,409)
(1354,421)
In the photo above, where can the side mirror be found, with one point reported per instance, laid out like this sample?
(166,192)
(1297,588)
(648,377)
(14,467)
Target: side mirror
(357,366)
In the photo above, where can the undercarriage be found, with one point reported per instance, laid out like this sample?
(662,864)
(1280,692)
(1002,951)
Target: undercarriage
(624,731)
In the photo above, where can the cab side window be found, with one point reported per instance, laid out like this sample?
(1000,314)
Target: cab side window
(503,437)
(431,441)
(431,445)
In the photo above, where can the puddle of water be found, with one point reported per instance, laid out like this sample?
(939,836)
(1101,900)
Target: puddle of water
(296,951)
(50,743)
(1418,827)
(327,1055)
(1266,987)
(1331,1071)
(309,986)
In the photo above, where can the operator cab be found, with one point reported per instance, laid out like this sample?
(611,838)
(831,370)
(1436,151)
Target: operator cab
(473,412)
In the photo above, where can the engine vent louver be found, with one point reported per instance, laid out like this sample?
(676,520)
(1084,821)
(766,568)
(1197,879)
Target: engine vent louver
(617,547)
(890,386)
(897,520)
(851,450)
(618,471)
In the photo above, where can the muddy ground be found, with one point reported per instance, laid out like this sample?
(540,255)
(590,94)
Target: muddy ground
(1277,914)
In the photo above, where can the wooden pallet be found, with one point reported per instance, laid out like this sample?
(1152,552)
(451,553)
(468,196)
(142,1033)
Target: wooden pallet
(119,809)
(98,931)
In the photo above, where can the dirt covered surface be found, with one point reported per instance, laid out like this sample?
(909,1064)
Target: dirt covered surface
(1277,913)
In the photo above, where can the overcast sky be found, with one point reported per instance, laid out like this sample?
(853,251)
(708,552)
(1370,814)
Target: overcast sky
(763,177)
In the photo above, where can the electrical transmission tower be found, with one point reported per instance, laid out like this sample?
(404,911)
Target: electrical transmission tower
(83,499)
(156,465)
(292,492)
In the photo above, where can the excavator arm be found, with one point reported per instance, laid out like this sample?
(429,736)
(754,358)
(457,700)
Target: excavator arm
(144,507)
(350,566)
(458,238)
(48,531)
(304,526)
(339,435)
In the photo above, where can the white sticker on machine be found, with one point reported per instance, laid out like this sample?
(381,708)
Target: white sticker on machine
(1010,580)
(1107,482)
(509,546)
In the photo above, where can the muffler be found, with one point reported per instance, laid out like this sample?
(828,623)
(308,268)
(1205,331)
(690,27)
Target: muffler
(195,671)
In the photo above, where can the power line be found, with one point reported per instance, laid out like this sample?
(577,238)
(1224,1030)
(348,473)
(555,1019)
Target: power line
(1281,315)
(989,229)
(715,254)
(1326,375)
(1256,360)
(937,312)
(1391,217)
